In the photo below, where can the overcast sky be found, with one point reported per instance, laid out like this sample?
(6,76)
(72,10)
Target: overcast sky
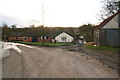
(57,13)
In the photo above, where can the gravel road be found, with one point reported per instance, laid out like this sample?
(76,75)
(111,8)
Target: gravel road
(47,62)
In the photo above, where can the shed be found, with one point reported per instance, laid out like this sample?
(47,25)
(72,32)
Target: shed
(63,37)
(106,33)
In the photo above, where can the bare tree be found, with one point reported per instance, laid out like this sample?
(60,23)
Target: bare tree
(13,26)
(109,7)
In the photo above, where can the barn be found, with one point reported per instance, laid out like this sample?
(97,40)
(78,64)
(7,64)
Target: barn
(106,33)
(42,39)
(26,39)
(63,37)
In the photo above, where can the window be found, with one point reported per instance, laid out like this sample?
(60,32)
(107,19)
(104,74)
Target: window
(63,38)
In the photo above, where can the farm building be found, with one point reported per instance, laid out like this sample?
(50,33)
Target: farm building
(63,37)
(12,38)
(26,39)
(41,39)
(106,34)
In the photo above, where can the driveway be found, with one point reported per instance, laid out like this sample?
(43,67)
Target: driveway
(47,62)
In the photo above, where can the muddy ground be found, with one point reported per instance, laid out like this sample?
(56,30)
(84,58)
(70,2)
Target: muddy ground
(108,58)
(55,62)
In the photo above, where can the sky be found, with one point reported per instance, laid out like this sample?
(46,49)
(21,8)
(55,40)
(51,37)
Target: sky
(51,13)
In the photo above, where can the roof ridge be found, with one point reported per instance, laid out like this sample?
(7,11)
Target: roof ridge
(107,20)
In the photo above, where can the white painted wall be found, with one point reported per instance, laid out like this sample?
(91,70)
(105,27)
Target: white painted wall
(113,23)
(68,37)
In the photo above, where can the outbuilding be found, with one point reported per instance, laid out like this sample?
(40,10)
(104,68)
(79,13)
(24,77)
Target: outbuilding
(64,37)
(26,39)
(106,34)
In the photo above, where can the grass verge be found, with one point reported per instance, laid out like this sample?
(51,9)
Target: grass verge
(45,44)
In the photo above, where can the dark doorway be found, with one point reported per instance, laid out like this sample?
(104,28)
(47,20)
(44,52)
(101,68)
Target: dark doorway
(34,39)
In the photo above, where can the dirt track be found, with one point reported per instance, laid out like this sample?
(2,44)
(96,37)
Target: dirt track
(46,62)
(109,58)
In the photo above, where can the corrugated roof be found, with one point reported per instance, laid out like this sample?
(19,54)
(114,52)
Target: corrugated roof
(106,21)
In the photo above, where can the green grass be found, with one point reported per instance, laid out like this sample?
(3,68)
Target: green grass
(45,44)
(102,48)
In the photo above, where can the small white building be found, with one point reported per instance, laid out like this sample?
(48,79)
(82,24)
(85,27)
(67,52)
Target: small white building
(63,37)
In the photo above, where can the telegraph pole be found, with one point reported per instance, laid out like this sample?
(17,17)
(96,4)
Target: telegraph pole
(51,23)
(42,13)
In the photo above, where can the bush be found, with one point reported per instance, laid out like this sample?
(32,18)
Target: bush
(90,43)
